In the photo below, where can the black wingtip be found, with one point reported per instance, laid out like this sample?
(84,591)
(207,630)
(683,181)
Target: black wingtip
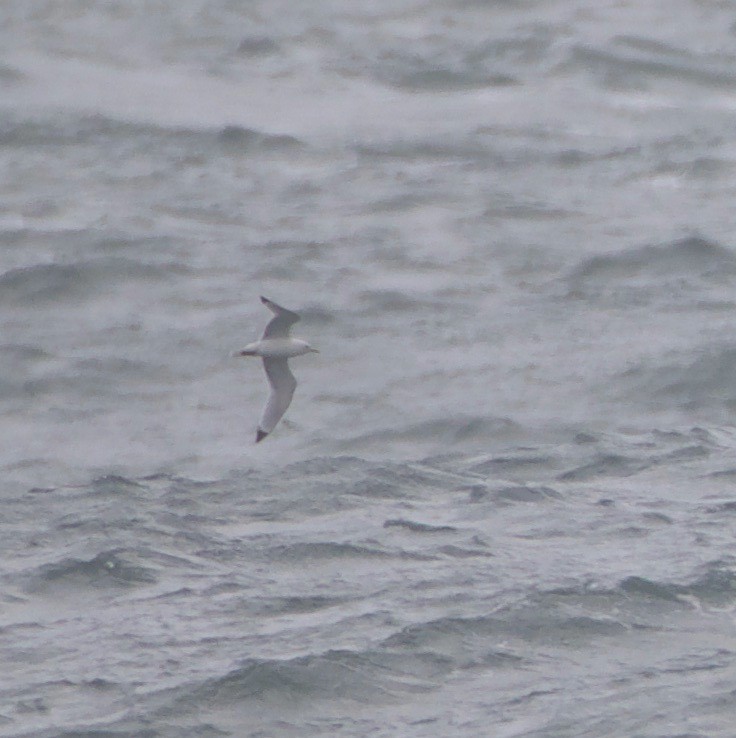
(260,435)
(265,300)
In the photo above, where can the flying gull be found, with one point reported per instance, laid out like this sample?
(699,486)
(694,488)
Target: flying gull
(276,347)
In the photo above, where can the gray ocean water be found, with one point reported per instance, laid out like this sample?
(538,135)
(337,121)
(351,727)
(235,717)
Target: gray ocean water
(503,501)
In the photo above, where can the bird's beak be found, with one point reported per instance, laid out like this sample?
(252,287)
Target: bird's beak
(314,350)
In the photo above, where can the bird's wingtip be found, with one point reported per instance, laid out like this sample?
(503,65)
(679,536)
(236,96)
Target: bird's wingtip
(260,435)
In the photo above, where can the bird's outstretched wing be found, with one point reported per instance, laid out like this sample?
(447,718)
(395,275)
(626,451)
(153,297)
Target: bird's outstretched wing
(283,385)
(278,327)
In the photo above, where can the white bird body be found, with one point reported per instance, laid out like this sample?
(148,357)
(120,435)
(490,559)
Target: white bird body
(275,348)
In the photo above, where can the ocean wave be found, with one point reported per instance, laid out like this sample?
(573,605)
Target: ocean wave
(252,140)
(416,527)
(643,273)
(100,129)
(542,620)
(704,381)
(606,465)
(108,569)
(316,551)
(448,431)
(337,675)
(633,61)
(51,283)
(452,63)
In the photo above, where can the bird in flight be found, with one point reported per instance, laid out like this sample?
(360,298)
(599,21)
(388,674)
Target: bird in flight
(276,347)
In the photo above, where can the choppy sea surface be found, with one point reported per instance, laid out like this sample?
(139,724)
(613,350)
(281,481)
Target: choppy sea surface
(503,501)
